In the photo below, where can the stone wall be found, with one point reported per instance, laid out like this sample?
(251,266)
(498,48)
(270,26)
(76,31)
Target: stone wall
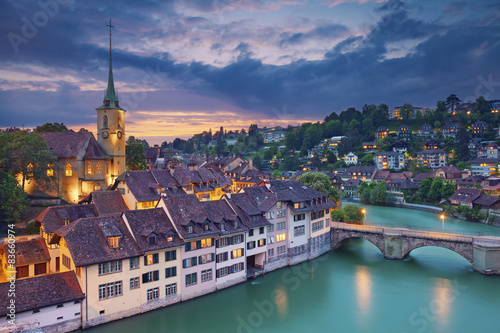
(232,282)
(65,326)
(320,245)
(276,262)
(298,254)
(199,293)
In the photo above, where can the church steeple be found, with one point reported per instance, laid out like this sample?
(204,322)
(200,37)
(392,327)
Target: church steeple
(110,100)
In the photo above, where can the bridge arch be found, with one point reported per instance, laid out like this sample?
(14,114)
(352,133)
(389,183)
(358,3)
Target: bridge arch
(450,247)
(373,239)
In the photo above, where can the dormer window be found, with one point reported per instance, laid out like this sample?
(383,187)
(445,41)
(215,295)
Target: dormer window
(236,224)
(206,227)
(170,237)
(222,227)
(65,221)
(190,229)
(152,239)
(114,242)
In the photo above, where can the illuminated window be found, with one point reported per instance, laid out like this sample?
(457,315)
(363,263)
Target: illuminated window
(114,242)
(89,168)
(69,170)
(237,253)
(98,168)
(206,242)
(280,237)
(50,171)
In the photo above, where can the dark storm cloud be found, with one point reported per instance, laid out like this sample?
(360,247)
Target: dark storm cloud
(445,59)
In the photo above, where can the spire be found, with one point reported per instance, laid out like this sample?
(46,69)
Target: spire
(111,99)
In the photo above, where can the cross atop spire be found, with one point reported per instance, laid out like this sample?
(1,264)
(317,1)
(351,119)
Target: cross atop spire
(110,100)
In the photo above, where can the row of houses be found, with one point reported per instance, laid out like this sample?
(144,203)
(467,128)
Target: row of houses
(131,261)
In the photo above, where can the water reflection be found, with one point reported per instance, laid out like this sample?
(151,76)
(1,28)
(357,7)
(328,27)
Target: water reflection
(443,298)
(281,300)
(363,282)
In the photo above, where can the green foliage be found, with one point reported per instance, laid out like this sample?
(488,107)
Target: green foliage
(471,214)
(452,102)
(461,145)
(257,161)
(136,158)
(481,106)
(374,193)
(320,182)
(447,190)
(14,202)
(424,187)
(27,155)
(407,111)
(349,213)
(436,189)
(367,159)
(52,127)
(276,174)
(290,163)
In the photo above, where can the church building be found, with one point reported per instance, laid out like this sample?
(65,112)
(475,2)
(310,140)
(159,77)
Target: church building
(85,164)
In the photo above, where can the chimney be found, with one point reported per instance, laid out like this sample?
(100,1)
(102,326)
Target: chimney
(250,163)
(171,171)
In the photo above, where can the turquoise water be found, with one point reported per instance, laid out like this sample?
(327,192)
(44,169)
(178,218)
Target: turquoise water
(353,289)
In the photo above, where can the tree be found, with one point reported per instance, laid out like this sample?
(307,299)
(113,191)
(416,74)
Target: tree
(462,145)
(51,127)
(407,111)
(481,105)
(276,174)
(331,158)
(452,102)
(134,151)
(26,155)
(320,182)
(14,201)
(424,187)
(435,190)
(290,163)
(447,190)
(257,162)
(367,159)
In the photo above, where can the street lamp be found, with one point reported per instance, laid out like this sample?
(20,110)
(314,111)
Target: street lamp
(363,211)
(442,219)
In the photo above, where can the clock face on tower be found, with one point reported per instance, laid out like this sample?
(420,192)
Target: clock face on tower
(105,134)
(119,134)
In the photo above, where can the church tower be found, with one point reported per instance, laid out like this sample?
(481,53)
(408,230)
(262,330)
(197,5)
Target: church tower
(111,125)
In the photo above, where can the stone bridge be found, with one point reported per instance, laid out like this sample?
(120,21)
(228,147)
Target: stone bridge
(396,243)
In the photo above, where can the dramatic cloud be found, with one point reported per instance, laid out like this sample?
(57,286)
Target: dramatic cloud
(236,62)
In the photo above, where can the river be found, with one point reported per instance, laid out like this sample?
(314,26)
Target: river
(353,289)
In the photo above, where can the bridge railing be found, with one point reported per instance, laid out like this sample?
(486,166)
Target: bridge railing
(406,230)
(439,230)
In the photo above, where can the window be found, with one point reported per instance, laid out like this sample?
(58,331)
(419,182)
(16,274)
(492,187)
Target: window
(189,262)
(170,255)
(40,268)
(236,253)
(281,249)
(150,276)
(170,272)
(89,168)
(206,275)
(98,168)
(222,271)
(222,257)
(66,262)
(105,122)
(134,283)
(317,226)
(206,227)
(69,171)
(171,289)
(206,242)
(237,239)
(299,231)
(251,245)
(280,237)
(114,242)
(110,290)
(237,267)
(279,204)
(206,258)
(236,224)
(281,213)
(152,239)
(280,226)
(151,259)
(250,232)
(134,263)
(270,228)
(222,227)
(270,215)
(299,217)
(262,242)
(153,294)
(223,242)
(191,279)
(270,252)
(50,171)
(190,229)
(261,230)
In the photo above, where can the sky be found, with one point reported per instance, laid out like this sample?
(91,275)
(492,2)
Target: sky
(182,67)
